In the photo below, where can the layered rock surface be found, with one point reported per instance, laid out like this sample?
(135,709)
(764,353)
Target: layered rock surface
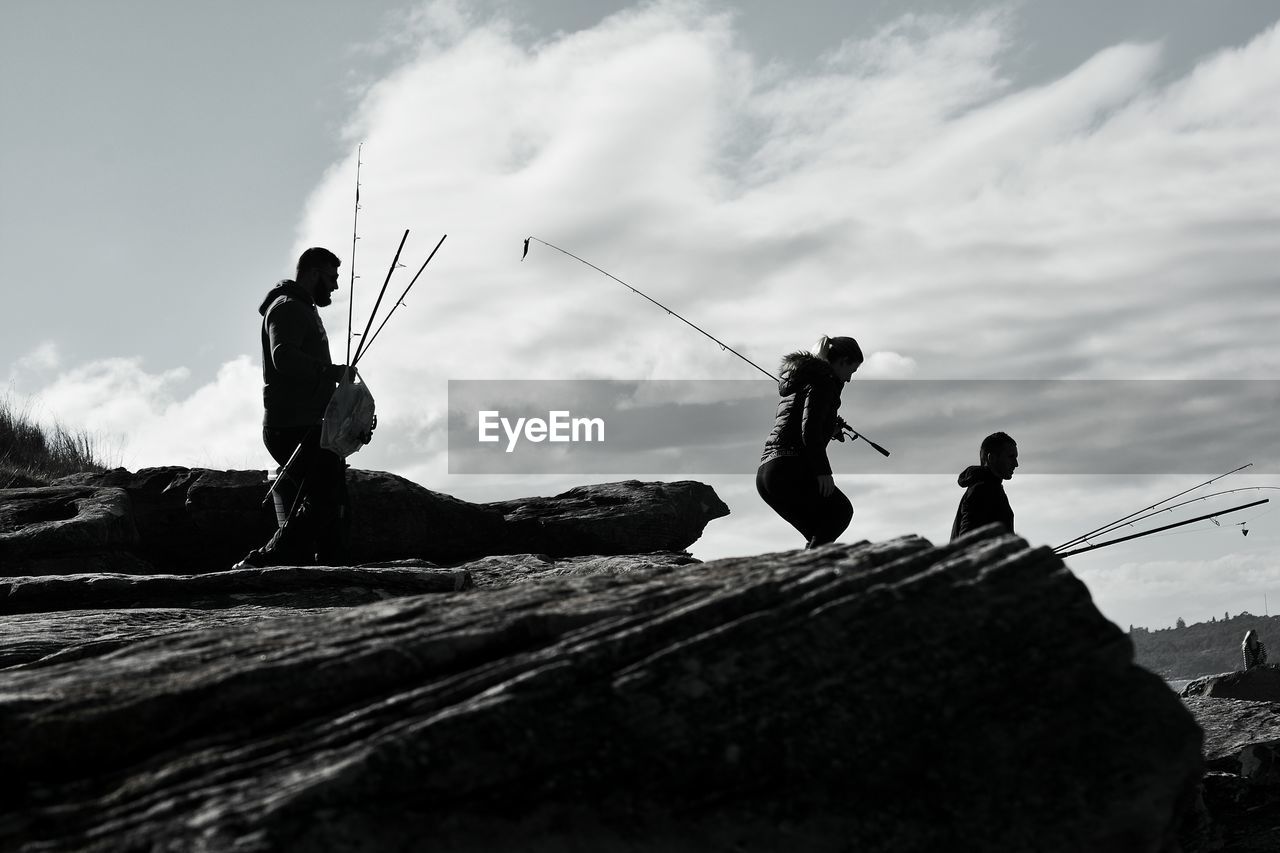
(612,518)
(1262,683)
(168,520)
(1242,787)
(890,697)
(61,528)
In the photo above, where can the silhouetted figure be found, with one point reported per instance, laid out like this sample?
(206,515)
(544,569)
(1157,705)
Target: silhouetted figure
(1255,653)
(312,508)
(794,476)
(984,500)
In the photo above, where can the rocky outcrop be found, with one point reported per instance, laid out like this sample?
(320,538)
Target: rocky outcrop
(314,586)
(196,520)
(204,520)
(516,568)
(1262,683)
(611,518)
(890,697)
(49,530)
(1242,787)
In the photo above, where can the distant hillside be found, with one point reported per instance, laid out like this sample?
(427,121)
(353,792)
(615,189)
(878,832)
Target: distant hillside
(1205,648)
(32,456)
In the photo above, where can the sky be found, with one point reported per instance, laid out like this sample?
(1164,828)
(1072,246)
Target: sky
(976,191)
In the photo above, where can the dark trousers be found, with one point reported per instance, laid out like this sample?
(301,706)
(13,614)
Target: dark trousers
(790,487)
(313,508)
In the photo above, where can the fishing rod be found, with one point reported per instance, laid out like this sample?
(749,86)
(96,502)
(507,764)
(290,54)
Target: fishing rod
(355,220)
(1121,521)
(395,262)
(400,301)
(843,426)
(1185,503)
(1160,529)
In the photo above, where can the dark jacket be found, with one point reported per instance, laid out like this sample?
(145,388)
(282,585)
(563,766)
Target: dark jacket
(984,501)
(1255,652)
(298,375)
(806,419)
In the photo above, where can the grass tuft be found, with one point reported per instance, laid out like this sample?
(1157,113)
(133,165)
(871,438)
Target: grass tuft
(34,456)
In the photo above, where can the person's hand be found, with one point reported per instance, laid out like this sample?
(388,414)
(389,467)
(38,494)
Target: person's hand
(826,485)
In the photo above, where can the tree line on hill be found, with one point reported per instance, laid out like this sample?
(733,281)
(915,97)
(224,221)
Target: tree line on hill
(1205,648)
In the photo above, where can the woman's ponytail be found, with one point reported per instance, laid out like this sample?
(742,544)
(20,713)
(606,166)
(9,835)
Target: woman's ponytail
(835,349)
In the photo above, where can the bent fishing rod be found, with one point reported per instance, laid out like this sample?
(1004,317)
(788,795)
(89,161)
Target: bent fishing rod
(844,427)
(1129,519)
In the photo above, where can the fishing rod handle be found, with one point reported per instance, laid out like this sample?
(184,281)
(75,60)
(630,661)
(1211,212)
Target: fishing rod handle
(877,448)
(853,433)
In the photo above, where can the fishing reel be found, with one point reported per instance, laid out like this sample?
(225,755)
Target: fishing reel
(843,429)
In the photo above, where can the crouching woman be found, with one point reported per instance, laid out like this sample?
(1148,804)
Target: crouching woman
(794,476)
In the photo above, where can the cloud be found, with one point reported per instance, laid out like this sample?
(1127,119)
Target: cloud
(888,365)
(1109,224)
(43,358)
(145,418)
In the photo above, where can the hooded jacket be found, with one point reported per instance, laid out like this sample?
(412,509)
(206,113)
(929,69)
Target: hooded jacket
(297,371)
(984,501)
(806,418)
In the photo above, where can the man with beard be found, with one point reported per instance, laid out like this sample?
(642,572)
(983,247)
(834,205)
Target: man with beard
(312,508)
(984,500)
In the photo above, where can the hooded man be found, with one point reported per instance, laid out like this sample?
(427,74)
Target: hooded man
(984,500)
(312,509)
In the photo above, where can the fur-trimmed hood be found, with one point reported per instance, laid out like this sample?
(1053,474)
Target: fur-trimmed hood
(803,368)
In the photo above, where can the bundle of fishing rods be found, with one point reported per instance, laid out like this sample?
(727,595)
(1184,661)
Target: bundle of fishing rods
(365,340)
(1083,543)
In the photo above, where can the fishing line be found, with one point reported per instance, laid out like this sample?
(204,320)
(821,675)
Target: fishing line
(844,427)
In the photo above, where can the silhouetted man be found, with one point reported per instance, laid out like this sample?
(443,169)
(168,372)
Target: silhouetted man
(984,500)
(312,509)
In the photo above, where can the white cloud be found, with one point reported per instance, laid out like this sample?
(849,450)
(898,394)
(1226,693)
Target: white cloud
(888,365)
(146,420)
(43,358)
